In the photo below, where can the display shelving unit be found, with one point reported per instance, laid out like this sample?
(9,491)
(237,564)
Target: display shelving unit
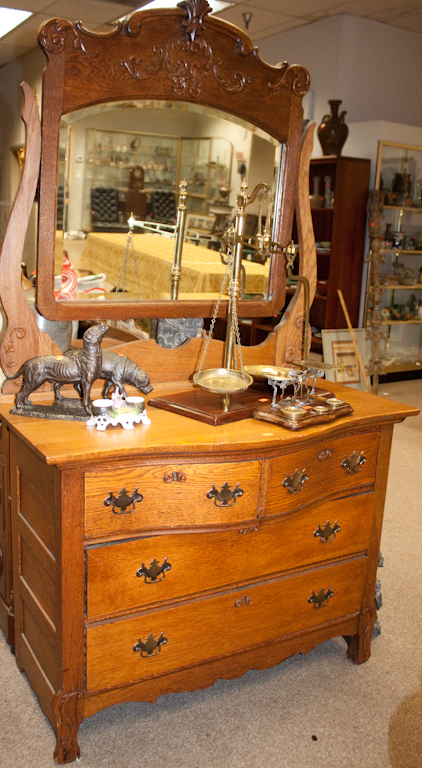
(399,179)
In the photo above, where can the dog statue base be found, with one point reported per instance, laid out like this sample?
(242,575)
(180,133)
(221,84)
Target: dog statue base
(66,409)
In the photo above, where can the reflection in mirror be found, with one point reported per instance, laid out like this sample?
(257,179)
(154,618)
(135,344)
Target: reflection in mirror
(129,158)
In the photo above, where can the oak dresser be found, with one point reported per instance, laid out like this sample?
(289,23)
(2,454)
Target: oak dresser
(162,559)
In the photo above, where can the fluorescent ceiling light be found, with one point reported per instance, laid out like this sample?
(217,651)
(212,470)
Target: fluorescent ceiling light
(216,5)
(11,18)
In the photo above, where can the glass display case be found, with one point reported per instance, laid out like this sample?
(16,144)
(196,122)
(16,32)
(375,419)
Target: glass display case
(166,160)
(110,156)
(399,179)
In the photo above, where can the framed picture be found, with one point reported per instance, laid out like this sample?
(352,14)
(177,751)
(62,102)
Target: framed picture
(199,221)
(338,350)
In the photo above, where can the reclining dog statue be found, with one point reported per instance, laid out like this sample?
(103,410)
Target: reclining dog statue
(81,368)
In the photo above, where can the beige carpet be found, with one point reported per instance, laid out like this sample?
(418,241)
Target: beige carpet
(316,711)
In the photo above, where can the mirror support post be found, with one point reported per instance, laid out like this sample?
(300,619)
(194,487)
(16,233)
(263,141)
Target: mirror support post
(176,270)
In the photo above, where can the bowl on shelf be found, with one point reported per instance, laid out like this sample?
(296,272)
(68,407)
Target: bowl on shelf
(322,286)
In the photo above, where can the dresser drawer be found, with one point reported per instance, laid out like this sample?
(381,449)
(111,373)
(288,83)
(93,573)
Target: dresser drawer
(173,495)
(330,467)
(209,628)
(133,574)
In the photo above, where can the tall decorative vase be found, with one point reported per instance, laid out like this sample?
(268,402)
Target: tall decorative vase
(333,131)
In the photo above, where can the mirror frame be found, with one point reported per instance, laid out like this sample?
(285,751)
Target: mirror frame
(179,54)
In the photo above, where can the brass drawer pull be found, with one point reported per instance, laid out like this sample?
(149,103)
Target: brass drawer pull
(243,601)
(296,481)
(175,477)
(325,454)
(321,598)
(225,497)
(122,501)
(353,463)
(327,533)
(151,646)
(152,572)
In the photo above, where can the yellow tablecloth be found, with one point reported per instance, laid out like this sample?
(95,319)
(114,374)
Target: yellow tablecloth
(202,270)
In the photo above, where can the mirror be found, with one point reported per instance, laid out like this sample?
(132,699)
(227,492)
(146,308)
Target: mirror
(108,169)
(167,95)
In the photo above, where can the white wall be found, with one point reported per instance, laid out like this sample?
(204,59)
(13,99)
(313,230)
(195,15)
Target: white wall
(372,67)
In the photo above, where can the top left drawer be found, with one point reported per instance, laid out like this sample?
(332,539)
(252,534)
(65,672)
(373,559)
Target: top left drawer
(173,495)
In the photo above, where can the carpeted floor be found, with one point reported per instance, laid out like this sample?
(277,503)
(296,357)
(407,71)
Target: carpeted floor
(315,711)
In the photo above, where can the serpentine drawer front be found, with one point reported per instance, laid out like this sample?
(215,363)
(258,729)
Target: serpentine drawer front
(132,574)
(339,465)
(159,641)
(170,495)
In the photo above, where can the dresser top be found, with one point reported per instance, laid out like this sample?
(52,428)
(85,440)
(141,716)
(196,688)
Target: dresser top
(70,443)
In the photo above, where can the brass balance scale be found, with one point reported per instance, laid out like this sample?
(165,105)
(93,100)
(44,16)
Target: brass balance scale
(235,391)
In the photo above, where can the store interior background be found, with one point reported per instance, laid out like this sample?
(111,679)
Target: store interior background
(370,65)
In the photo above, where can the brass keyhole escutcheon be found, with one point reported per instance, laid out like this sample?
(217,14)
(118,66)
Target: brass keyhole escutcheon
(175,477)
(243,601)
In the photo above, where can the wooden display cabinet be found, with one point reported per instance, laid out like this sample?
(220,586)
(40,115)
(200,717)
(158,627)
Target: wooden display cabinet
(343,227)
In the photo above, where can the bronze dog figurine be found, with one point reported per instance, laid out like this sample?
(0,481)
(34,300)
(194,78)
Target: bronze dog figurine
(118,370)
(82,368)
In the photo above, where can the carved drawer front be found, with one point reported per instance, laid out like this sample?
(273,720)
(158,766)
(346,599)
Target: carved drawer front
(169,496)
(328,468)
(133,574)
(156,642)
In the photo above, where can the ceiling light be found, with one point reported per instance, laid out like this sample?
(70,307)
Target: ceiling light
(11,18)
(216,5)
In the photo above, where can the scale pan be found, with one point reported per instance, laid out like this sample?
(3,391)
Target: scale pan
(223,381)
(264,372)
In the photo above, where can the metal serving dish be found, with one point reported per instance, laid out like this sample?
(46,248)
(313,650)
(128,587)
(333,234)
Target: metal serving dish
(223,381)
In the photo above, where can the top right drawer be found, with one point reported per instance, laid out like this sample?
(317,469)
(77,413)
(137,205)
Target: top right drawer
(329,468)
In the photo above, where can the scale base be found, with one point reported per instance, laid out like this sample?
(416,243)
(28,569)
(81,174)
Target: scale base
(211,408)
(275,416)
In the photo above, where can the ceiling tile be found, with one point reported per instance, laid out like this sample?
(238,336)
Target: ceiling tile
(26,34)
(88,10)
(379,10)
(298,8)
(411,23)
(275,29)
(260,20)
(26,5)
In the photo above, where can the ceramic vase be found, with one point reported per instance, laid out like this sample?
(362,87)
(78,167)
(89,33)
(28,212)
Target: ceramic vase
(333,131)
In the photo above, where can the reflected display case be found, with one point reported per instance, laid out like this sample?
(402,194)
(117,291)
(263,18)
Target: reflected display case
(399,181)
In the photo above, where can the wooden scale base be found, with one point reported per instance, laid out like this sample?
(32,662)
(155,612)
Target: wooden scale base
(256,401)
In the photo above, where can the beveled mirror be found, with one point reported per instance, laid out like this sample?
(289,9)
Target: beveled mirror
(120,99)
